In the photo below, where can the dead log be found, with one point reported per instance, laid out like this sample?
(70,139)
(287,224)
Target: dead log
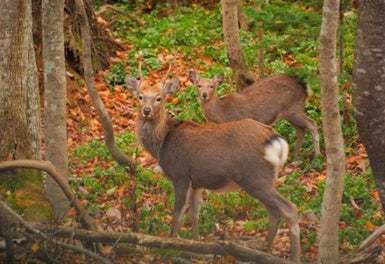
(15,218)
(217,248)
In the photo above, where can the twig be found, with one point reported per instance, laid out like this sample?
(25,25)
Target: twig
(354,204)
(119,156)
(86,221)
(84,251)
(372,238)
(17,218)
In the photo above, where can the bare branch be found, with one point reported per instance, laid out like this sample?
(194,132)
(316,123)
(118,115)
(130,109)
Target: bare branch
(107,7)
(5,209)
(354,204)
(369,255)
(86,221)
(105,119)
(217,248)
(372,238)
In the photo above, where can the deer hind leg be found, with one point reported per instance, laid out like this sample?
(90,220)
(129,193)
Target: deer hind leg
(182,198)
(302,121)
(300,133)
(277,205)
(274,219)
(289,212)
(195,200)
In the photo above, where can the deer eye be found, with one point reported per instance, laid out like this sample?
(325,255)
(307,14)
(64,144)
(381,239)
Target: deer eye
(140,97)
(212,86)
(158,99)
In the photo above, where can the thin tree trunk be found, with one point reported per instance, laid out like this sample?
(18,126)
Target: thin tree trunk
(261,59)
(334,145)
(341,44)
(55,95)
(119,156)
(369,86)
(243,77)
(19,106)
(242,18)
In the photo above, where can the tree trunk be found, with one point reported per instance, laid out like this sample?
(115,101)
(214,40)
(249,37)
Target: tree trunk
(19,107)
(369,86)
(334,145)
(243,77)
(260,53)
(103,44)
(55,95)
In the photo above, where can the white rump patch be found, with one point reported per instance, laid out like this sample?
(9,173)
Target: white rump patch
(276,152)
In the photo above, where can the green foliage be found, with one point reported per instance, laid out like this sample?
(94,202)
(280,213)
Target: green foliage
(188,107)
(185,29)
(97,148)
(150,61)
(115,75)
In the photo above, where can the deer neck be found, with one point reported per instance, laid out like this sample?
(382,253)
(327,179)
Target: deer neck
(152,133)
(212,108)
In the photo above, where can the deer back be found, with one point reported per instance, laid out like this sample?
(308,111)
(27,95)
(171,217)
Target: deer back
(211,155)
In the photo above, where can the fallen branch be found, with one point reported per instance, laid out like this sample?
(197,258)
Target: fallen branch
(372,238)
(5,209)
(217,248)
(369,255)
(354,204)
(85,220)
(105,8)
(105,119)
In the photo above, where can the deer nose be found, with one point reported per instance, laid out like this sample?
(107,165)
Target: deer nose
(146,110)
(205,95)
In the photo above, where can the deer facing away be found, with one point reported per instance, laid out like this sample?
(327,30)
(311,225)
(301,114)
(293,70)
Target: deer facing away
(267,100)
(218,157)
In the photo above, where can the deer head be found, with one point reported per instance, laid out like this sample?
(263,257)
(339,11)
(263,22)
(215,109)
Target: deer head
(151,97)
(206,87)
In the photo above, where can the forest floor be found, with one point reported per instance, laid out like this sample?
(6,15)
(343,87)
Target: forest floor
(192,36)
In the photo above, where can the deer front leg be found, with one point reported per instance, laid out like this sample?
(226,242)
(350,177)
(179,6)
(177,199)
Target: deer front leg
(196,200)
(182,197)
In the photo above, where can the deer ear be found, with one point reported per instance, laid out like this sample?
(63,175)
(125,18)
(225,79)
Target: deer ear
(218,79)
(170,87)
(132,84)
(193,76)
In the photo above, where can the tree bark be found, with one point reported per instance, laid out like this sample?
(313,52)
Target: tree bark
(55,95)
(19,106)
(243,77)
(334,145)
(369,86)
